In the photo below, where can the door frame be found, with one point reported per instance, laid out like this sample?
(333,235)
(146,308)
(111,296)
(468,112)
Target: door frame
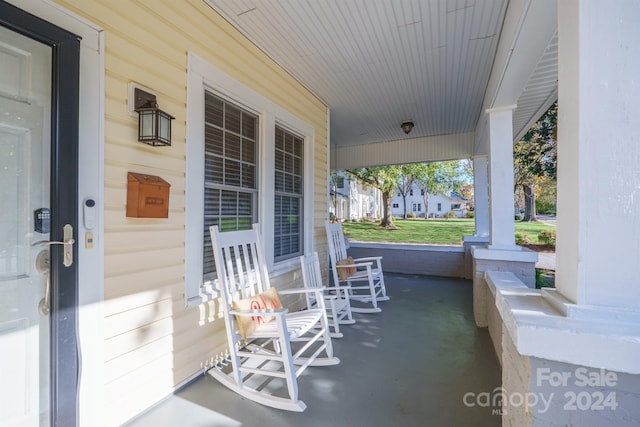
(64,351)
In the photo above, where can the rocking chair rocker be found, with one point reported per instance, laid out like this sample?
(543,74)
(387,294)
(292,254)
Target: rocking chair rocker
(262,336)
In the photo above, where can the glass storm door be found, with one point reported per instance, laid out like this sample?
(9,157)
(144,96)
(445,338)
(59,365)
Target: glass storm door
(38,193)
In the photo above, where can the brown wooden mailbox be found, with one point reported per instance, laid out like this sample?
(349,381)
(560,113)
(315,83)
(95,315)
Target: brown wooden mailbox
(147,196)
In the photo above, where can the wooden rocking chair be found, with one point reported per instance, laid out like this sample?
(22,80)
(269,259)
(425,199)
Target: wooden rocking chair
(262,336)
(336,299)
(365,272)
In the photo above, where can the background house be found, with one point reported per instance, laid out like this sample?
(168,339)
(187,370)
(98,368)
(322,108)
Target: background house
(351,199)
(438,204)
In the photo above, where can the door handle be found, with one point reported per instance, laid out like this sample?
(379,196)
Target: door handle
(42,265)
(68,242)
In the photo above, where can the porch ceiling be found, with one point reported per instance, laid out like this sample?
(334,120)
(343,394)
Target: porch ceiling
(440,63)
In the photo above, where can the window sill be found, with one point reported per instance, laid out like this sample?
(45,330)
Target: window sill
(207,293)
(284,267)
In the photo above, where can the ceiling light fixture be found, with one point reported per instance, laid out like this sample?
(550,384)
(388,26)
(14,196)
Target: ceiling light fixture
(406,126)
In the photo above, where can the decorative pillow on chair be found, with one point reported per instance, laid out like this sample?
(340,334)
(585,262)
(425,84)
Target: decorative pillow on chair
(267,300)
(343,273)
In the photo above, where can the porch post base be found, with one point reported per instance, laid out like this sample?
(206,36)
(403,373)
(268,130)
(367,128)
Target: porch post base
(469,241)
(520,261)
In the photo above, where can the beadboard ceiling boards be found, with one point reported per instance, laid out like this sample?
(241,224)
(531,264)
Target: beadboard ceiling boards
(376,63)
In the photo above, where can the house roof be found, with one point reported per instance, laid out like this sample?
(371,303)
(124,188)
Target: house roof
(440,63)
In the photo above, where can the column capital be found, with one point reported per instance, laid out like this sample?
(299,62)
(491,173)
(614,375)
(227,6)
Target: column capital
(501,109)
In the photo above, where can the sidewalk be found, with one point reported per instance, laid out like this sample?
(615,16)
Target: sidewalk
(546,261)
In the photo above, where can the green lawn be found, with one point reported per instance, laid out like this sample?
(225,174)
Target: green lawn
(444,231)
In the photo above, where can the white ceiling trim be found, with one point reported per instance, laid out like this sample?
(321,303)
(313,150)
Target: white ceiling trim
(412,150)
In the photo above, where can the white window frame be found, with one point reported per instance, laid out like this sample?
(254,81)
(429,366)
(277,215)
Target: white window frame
(301,196)
(204,76)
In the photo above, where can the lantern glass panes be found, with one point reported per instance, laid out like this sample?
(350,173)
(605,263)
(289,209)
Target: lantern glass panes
(154,125)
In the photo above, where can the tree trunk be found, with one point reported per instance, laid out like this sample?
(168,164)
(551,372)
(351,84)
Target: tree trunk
(404,202)
(426,204)
(387,217)
(529,203)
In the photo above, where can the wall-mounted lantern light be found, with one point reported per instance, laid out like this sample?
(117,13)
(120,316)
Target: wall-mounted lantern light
(406,126)
(154,125)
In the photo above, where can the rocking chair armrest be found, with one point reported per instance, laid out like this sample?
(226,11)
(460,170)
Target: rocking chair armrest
(318,291)
(300,291)
(369,259)
(262,312)
(359,264)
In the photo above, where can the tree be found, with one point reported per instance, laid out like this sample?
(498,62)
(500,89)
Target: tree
(536,156)
(405,182)
(385,179)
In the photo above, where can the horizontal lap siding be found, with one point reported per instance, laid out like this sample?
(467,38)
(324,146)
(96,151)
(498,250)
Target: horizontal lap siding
(152,343)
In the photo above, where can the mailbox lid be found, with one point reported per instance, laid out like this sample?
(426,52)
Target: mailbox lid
(143,179)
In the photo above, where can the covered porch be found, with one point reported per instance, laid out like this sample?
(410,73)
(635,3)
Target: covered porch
(421,361)
(342,77)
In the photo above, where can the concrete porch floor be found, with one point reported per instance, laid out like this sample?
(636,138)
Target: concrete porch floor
(410,365)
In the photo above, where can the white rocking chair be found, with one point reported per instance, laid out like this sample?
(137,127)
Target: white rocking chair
(336,299)
(366,272)
(265,352)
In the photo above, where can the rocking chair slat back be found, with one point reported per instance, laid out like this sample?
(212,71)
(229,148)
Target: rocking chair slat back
(243,276)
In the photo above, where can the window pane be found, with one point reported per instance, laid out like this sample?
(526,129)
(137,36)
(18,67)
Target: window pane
(232,173)
(213,110)
(248,176)
(279,161)
(248,150)
(279,181)
(213,167)
(232,146)
(279,139)
(232,119)
(297,147)
(213,140)
(249,126)
(245,207)
(211,202)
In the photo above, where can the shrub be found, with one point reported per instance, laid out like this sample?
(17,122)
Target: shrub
(545,207)
(450,214)
(470,214)
(522,239)
(411,215)
(547,236)
(519,217)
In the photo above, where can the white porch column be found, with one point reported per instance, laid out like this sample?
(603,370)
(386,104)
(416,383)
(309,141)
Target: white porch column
(481,202)
(598,242)
(481,195)
(501,216)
